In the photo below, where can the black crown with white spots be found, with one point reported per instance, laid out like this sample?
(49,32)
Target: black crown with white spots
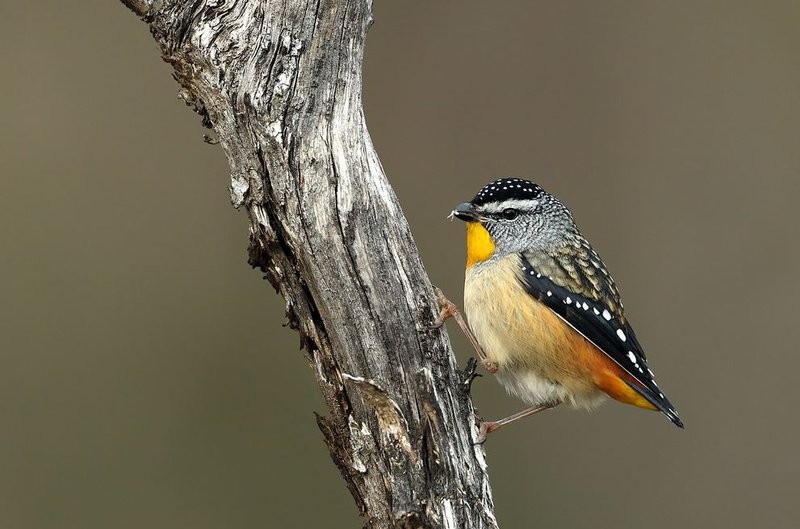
(507,188)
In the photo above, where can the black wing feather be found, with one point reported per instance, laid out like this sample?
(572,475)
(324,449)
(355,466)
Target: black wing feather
(604,329)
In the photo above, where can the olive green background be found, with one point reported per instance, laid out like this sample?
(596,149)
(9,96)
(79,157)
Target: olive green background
(145,377)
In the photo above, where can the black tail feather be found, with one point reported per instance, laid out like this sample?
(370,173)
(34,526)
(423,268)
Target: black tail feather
(662,403)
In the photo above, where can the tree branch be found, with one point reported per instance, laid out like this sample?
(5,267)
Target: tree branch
(280,83)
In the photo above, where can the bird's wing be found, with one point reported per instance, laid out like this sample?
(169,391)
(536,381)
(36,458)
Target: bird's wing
(591,306)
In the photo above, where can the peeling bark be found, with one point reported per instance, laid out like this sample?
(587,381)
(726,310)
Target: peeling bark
(280,84)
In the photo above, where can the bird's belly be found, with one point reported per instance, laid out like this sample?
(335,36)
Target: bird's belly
(540,358)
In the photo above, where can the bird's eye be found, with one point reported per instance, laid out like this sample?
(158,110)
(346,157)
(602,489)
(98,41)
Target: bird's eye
(509,214)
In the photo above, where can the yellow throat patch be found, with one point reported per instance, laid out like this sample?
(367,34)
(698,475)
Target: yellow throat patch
(479,244)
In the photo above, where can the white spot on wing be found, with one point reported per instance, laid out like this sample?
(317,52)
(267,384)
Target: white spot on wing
(606,315)
(621,335)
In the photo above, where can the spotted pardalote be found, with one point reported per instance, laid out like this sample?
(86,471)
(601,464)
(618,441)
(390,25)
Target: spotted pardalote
(544,309)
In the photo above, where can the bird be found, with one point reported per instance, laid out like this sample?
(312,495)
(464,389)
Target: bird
(542,310)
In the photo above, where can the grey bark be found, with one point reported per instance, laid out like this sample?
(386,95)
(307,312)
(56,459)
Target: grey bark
(280,84)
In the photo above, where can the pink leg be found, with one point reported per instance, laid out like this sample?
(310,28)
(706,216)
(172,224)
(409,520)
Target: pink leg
(449,309)
(487,427)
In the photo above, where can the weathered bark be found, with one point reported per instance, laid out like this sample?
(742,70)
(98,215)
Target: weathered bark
(280,84)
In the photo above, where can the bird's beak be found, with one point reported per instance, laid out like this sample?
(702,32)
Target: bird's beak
(466,212)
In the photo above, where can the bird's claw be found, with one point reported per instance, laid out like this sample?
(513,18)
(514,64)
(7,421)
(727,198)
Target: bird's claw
(447,309)
(484,429)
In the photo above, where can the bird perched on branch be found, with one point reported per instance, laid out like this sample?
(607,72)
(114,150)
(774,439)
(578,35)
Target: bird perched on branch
(544,313)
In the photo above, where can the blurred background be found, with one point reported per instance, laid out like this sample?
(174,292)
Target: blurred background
(145,377)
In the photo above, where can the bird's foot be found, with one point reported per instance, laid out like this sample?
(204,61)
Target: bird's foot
(447,309)
(484,429)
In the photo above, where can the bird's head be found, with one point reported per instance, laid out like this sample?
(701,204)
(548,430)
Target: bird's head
(511,215)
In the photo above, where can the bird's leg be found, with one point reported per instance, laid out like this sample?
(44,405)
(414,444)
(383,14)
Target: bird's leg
(487,427)
(448,310)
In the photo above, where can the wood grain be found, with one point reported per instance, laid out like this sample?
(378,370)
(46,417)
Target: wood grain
(280,85)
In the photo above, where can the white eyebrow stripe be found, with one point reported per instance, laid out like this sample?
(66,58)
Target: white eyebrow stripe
(517,203)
